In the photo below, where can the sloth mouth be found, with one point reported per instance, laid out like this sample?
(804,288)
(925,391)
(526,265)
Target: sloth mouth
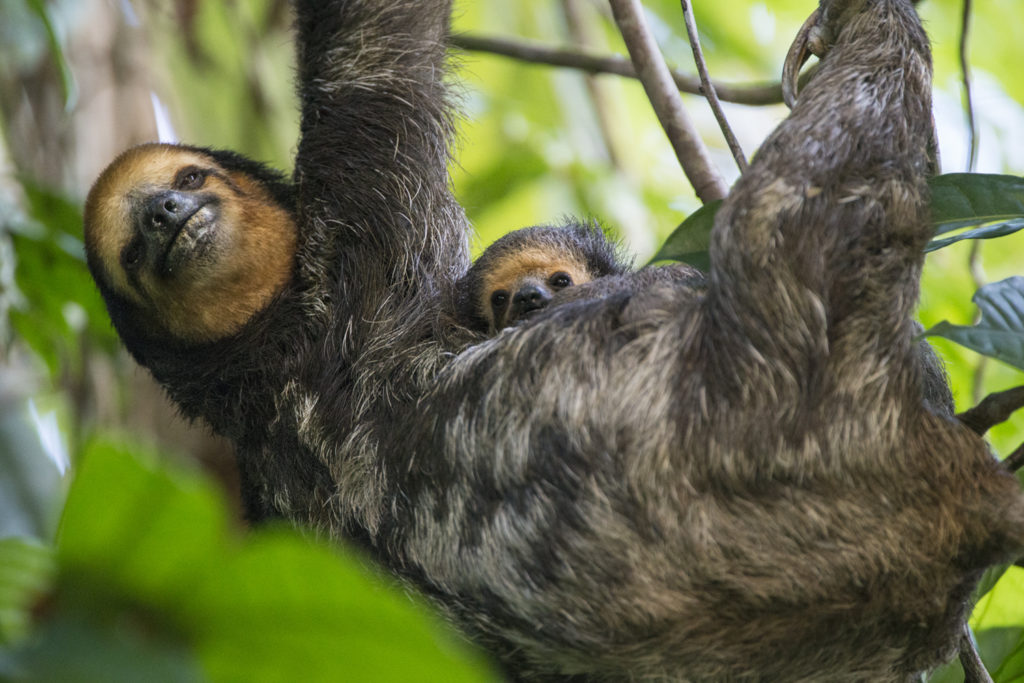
(191,240)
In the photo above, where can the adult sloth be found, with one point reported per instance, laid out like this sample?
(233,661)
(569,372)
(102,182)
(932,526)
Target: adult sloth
(736,481)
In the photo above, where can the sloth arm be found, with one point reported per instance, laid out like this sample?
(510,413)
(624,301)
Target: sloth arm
(375,211)
(816,253)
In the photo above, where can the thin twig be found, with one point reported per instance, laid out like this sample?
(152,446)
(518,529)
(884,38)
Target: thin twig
(665,99)
(994,409)
(974,668)
(754,94)
(709,88)
(965,74)
(1014,461)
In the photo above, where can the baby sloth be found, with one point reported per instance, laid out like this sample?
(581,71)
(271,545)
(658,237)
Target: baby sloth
(521,272)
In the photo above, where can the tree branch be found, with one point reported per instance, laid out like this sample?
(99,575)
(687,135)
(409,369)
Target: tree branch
(665,99)
(965,74)
(993,409)
(1014,461)
(974,668)
(534,53)
(709,88)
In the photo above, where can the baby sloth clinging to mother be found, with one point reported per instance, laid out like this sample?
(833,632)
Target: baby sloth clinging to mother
(521,272)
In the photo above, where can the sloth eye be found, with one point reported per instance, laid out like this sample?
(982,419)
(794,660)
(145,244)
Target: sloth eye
(560,280)
(499,298)
(131,256)
(190,179)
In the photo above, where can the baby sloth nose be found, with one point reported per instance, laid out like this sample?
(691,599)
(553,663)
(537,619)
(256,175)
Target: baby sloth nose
(529,298)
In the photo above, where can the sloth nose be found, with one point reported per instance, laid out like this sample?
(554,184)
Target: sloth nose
(529,298)
(167,210)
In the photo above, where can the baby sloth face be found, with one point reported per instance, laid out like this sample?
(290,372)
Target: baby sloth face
(526,284)
(520,273)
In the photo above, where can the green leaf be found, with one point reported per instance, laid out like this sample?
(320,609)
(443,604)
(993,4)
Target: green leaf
(151,546)
(993,203)
(1000,332)
(26,570)
(60,300)
(71,648)
(690,241)
(984,232)
(960,200)
(67,79)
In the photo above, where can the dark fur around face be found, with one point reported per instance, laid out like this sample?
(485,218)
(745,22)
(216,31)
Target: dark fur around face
(530,261)
(187,243)
(730,478)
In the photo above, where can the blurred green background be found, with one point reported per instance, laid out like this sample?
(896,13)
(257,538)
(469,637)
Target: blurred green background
(81,80)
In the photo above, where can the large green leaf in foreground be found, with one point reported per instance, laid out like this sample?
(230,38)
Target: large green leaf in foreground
(151,574)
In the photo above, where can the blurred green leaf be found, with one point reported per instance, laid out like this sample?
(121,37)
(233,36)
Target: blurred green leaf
(73,648)
(151,545)
(1000,332)
(26,569)
(61,306)
(519,165)
(67,79)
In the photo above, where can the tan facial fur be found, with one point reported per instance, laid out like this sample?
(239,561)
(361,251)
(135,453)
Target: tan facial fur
(246,256)
(511,272)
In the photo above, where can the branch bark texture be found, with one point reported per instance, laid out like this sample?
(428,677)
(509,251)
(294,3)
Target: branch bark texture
(665,99)
(755,94)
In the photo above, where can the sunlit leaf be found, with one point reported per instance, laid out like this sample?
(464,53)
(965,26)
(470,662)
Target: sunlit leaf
(1000,332)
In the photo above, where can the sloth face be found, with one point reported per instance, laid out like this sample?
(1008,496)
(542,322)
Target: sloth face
(196,247)
(525,281)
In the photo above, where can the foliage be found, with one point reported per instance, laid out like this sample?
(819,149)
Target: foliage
(153,583)
(148,579)
(1000,332)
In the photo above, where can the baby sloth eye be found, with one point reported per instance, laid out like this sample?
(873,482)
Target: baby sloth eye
(499,298)
(190,179)
(560,280)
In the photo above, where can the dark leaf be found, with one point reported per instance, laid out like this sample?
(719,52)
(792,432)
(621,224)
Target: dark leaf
(1000,332)
(992,204)
(690,241)
(964,199)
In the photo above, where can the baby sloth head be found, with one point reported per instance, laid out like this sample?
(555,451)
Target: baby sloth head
(519,273)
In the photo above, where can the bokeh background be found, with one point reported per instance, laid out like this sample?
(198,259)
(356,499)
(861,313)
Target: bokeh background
(81,80)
